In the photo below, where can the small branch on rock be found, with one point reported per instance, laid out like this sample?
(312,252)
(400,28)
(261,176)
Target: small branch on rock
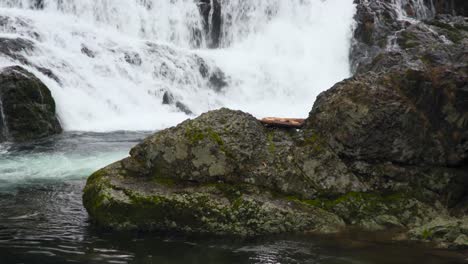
(283,122)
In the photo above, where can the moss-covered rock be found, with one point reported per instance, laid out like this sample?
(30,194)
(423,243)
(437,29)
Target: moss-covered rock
(374,211)
(118,201)
(219,174)
(387,148)
(27,109)
(444,231)
(234,147)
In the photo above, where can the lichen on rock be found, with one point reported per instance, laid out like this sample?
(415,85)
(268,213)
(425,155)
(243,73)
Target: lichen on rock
(384,149)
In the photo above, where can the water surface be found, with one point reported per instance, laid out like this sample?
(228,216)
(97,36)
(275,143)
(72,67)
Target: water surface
(42,219)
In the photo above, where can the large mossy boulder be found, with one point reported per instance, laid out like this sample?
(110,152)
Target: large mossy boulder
(225,173)
(387,148)
(118,198)
(221,173)
(27,109)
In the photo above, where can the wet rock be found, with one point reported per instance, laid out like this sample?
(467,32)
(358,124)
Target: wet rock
(133,58)
(86,51)
(12,25)
(454,7)
(49,73)
(217,80)
(219,209)
(403,113)
(15,48)
(445,232)
(376,21)
(210,10)
(387,148)
(231,151)
(27,106)
(168,99)
(227,155)
(37,4)
(182,107)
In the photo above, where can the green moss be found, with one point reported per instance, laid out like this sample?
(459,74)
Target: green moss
(407,40)
(427,59)
(96,176)
(194,135)
(315,141)
(461,27)
(97,196)
(440,24)
(215,137)
(356,203)
(236,203)
(452,32)
(271,143)
(230,191)
(427,234)
(169,182)
(455,36)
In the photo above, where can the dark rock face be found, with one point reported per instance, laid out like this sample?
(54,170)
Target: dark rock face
(451,7)
(377,23)
(27,107)
(14,49)
(168,99)
(387,148)
(210,10)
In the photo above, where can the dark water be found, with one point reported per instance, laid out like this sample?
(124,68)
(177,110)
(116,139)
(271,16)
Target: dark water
(42,219)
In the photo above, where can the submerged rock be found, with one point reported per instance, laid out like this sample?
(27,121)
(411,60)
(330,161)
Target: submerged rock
(27,109)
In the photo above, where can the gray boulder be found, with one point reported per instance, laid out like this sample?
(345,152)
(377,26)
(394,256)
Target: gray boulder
(27,109)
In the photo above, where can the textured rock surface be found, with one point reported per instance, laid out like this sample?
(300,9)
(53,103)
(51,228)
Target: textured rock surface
(27,109)
(122,202)
(387,148)
(446,232)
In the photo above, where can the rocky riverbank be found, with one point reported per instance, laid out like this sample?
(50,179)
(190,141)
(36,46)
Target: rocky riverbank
(385,149)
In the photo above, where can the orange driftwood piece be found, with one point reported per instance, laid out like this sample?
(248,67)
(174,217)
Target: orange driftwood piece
(283,122)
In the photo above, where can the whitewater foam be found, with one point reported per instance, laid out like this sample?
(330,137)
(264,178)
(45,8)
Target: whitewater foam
(277,56)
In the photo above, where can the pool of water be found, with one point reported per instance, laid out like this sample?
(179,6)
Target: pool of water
(42,219)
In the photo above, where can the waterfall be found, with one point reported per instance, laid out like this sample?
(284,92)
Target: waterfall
(149,64)
(418,9)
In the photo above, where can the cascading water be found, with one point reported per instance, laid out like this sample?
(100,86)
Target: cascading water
(113,62)
(3,124)
(418,9)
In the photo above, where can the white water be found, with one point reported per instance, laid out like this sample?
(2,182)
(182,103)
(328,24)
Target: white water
(417,10)
(277,55)
(38,166)
(70,156)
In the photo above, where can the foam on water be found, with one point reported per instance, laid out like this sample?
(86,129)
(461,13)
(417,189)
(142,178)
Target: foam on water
(116,59)
(70,156)
(28,168)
